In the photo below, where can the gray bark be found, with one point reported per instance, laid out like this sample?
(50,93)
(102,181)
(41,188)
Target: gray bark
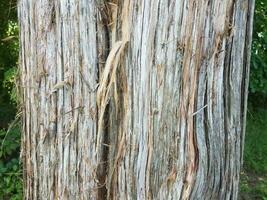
(134,99)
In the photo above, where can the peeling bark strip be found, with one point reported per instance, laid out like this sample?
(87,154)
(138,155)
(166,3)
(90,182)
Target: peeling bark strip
(134,99)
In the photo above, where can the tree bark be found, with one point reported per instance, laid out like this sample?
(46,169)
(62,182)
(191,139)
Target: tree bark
(134,99)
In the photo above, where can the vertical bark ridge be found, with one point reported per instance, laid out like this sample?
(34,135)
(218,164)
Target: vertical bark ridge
(59,67)
(134,99)
(246,70)
(177,57)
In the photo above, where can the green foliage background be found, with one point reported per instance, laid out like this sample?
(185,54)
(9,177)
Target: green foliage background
(10,167)
(258,75)
(254,176)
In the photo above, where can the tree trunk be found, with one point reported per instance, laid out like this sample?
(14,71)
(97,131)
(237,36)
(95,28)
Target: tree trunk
(134,99)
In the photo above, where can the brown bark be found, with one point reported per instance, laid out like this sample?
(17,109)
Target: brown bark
(134,99)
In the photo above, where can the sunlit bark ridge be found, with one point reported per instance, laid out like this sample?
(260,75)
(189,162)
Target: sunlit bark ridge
(134,99)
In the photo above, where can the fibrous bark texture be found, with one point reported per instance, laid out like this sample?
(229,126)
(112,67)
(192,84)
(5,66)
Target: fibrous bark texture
(135,99)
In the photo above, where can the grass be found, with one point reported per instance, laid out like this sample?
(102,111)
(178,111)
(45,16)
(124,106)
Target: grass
(254,176)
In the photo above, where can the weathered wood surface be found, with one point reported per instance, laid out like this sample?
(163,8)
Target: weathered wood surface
(134,99)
